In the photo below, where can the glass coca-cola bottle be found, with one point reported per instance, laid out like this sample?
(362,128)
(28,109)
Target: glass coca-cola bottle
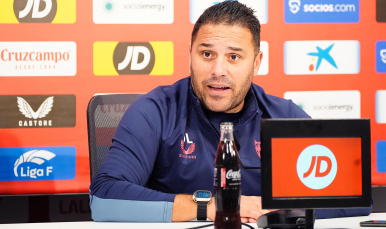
(227,180)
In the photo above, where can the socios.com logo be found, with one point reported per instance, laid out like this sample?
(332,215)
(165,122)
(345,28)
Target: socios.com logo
(321,11)
(294,6)
(37,163)
(316,167)
(132,58)
(381,56)
(38,11)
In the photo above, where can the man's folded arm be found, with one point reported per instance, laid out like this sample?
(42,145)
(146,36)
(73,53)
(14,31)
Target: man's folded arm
(118,191)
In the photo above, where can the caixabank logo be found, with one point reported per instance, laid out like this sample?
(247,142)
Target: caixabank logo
(38,11)
(133,58)
(38,58)
(37,163)
(321,11)
(321,57)
(37,111)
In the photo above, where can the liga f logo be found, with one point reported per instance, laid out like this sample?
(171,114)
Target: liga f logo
(38,11)
(133,58)
(316,167)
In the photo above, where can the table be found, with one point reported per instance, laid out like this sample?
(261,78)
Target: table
(349,222)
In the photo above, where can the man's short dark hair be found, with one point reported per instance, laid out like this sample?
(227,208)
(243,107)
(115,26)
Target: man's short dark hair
(230,13)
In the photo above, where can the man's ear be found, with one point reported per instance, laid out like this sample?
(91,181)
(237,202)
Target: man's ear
(257,63)
(190,56)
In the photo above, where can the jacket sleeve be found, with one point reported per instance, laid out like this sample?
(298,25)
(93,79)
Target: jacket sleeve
(335,213)
(118,192)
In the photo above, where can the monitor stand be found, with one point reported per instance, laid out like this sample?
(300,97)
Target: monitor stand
(287,219)
(310,219)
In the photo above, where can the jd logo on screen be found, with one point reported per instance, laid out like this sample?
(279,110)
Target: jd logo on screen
(38,11)
(322,54)
(321,11)
(133,58)
(37,163)
(316,167)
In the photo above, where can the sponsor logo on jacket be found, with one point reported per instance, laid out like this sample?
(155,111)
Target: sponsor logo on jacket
(187,153)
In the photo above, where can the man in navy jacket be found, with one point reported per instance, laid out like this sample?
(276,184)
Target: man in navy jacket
(165,144)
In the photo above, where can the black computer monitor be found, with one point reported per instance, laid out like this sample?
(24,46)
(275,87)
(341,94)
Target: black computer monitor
(308,163)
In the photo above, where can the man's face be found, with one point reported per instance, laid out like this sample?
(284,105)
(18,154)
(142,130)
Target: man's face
(222,65)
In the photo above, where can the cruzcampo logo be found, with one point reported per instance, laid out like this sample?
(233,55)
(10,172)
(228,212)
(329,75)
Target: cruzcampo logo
(38,11)
(133,58)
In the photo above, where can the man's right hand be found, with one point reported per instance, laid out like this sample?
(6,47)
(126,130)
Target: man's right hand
(250,209)
(185,209)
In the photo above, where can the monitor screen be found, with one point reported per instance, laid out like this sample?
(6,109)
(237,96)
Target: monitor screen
(315,163)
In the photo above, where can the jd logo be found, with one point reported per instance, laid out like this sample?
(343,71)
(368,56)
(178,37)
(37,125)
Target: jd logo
(112,58)
(35,11)
(134,58)
(316,167)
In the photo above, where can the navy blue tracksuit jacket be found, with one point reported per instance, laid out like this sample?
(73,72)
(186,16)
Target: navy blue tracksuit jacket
(165,145)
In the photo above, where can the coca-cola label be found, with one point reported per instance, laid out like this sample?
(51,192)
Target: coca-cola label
(234,175)
(224,177)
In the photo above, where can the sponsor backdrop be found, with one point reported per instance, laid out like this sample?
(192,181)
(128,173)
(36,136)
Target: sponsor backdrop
(328,56)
